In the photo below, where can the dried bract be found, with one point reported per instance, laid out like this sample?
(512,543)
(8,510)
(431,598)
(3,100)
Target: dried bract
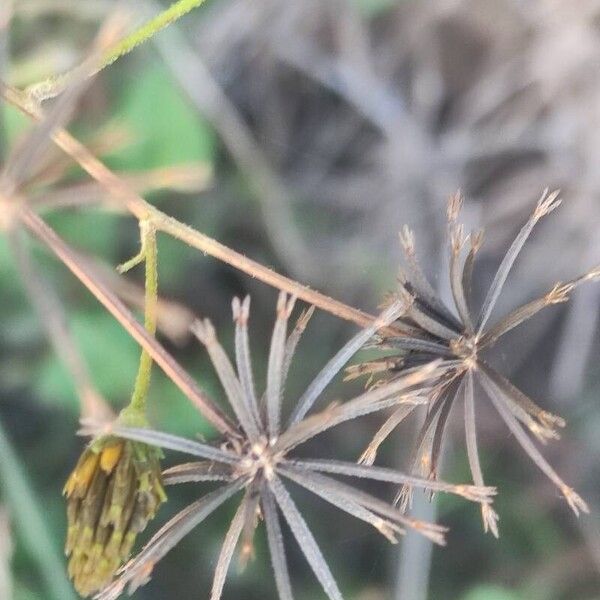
(431,331)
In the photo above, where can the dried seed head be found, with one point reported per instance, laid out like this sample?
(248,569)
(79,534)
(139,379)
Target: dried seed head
(112,493)
(260,462)
(428,329)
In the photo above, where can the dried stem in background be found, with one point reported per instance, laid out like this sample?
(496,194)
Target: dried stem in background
(53,319)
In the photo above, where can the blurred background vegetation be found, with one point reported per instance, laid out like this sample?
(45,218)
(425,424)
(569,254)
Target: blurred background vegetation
(305,134)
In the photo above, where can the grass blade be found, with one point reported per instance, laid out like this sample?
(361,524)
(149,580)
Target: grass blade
(30,523)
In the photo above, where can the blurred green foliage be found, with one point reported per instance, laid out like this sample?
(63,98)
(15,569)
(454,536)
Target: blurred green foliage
(166,129)
(110,352)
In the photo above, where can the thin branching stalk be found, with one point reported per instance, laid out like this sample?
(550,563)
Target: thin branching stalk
(53,86)
(142,210)
(149,254)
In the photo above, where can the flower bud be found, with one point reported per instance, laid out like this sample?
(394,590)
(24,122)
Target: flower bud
(112,493)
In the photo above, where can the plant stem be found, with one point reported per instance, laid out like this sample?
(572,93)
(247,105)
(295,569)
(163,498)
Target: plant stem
(53,86)
(149,252)
(145,32)
(142,210)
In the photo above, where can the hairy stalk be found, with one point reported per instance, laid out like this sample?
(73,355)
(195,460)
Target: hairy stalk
(148,254)
(136,205)
(53,86)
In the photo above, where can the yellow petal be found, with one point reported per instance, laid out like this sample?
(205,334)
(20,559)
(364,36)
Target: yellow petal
(82,475)
(110,456)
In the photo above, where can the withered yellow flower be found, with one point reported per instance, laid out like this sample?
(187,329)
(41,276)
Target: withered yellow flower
(113,492)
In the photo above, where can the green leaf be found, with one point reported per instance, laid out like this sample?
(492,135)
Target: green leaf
(167,129)
(31,525)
